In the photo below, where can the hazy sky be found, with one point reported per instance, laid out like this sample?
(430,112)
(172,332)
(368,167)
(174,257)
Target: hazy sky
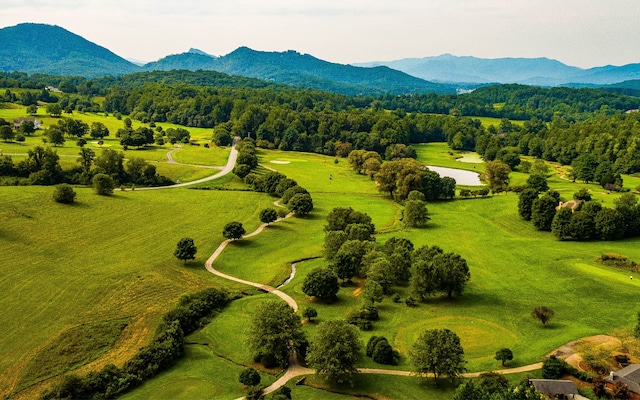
(583,33)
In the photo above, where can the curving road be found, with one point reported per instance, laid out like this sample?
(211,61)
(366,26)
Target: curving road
(295,369)
(227,168)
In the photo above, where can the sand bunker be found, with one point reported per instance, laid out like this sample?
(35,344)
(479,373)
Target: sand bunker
(279,162)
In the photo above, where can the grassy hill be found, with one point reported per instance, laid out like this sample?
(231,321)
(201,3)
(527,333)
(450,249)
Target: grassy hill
(96,276)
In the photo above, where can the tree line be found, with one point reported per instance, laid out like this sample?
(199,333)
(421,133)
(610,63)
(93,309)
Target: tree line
(581,218)
(164,351)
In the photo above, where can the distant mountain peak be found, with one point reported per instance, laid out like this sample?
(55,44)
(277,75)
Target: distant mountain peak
(541,71)
(198,51)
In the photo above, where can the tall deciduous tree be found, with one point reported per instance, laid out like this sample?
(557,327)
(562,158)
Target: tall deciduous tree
(275,331)
(268,215)
(439,352)
(497,174)
(6,133)
(335,351)
(525,203)
(542,314)
(233,230)
(98,130)
(561,224)
(185,250)
(543,211)
(415,213)
(321,283)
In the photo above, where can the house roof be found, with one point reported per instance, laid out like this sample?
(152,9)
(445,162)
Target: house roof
(629,375)
(553,387)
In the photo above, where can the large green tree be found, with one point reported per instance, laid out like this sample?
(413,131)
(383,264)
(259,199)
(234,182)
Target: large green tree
(6,133)
(300,204)
(268,215)
(233,230)
(497,175)
(542,212)
(274,332)
(415,213)
(335,351)
(103,184)
(321,283)
(439,352)
(185,250)
(525,203)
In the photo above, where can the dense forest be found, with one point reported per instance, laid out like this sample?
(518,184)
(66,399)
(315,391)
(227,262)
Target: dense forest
(560,123)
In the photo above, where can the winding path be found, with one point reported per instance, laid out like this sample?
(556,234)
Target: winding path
(227,168)
(295,369)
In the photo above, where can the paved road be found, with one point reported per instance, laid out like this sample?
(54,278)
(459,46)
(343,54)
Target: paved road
(227,168)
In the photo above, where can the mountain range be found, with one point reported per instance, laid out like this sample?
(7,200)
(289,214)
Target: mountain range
(527,71)
(41,48)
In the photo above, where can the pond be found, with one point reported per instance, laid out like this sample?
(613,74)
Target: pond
(462,177)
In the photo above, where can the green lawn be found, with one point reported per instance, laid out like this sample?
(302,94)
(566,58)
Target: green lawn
(101,259)
(110,258)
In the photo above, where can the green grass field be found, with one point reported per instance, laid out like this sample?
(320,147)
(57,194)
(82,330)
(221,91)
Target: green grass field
(101,259)
(110,259)
(190,155)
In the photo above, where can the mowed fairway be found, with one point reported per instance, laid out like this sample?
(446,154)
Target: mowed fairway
(100,259)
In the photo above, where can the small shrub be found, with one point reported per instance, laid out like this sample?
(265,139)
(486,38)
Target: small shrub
(249,377)
(103,184)
(64,194)
(371,344)
(384,354)
(410,302)
(395,298)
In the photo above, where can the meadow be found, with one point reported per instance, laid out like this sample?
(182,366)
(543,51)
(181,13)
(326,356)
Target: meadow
(189,159)
(105,266)
(514,268)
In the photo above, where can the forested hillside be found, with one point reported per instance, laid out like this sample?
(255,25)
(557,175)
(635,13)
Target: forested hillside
(51,49)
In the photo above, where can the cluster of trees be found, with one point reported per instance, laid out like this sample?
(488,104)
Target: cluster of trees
(350,250)
(295,197)
(167,348)
(599,149)
(291,119)
(495,386)
(581,219)
(42,167)
(519,102)
(400,177)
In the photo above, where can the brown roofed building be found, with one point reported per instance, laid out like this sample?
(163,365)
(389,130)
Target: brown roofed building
(630,376)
